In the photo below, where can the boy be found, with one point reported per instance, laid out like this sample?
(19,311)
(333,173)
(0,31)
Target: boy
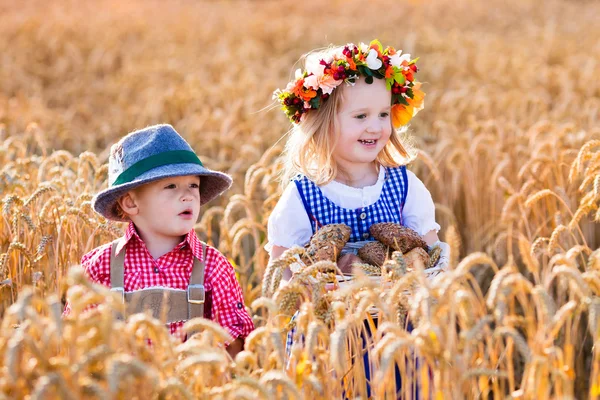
(158,183)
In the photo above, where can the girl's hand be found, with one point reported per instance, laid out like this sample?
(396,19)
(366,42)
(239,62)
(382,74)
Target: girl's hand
(345,265)
(442,264)
(345,262)
(444,255)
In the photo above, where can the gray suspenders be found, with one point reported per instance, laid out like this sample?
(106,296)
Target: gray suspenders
(175,304)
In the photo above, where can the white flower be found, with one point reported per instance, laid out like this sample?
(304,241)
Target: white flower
(338,53)
(314,66)
(373,62)
(396,60)
(290,86)
(325,82)
(311,82)
(298,74)
(363,48)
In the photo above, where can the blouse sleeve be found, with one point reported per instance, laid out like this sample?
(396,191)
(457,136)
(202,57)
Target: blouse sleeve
(419,210)
(288,224)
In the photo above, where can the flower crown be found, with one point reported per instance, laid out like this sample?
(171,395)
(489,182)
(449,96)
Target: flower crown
(312,87)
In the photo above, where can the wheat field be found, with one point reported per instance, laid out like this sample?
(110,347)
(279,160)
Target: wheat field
(508,145)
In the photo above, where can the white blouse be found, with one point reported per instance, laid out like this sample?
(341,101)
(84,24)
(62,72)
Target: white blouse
(289,224)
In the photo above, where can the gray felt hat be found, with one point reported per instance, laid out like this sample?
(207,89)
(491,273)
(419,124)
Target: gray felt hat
(150,154)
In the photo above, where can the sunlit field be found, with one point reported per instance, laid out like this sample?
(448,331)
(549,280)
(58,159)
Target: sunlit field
(508,145)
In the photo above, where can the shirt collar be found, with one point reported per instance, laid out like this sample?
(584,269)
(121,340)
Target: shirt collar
(129,233)
(195,244)
(191,239)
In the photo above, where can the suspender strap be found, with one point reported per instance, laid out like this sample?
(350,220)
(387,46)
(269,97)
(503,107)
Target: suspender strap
(195,290)
(165,303)
(117,269)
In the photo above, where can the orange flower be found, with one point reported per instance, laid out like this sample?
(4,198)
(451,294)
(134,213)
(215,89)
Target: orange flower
(300,91)
(298,87)
(389,72)
(418,97)
(376,45)
(401,114)
(308,94)
(351,63)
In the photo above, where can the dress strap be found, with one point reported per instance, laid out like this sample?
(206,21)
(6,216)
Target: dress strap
(313,219)
(405,185)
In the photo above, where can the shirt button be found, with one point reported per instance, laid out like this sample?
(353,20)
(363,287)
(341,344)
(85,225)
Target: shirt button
(156,270)
(240,305)
(365,235)
(363,215)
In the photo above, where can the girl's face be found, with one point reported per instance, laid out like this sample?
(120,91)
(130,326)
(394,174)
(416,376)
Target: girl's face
(363,122)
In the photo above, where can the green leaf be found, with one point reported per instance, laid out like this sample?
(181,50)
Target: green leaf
(389,83)
(398,77)
(315,102)
(402,100)
(413,61)
(377,44)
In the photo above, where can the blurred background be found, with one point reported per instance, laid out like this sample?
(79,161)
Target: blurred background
(508,144)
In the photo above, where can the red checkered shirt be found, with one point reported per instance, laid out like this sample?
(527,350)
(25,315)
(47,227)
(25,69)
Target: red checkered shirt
(224,301)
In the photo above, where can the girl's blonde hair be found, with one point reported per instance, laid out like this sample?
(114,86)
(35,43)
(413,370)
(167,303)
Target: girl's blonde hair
(309,148)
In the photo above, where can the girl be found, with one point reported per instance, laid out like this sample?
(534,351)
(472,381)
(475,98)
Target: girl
(344,156)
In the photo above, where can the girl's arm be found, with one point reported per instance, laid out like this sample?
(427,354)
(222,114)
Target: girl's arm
(276,252)
(288,225)
(431,237)
(419,214)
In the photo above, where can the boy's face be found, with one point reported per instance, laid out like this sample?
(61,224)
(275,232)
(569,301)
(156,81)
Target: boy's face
(168,207)
(363,120)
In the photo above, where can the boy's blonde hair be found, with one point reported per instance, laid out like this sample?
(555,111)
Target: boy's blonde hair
(309,148)
(118,210)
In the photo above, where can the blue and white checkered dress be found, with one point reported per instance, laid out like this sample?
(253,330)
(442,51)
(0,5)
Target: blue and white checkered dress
(388,208)
(322,211)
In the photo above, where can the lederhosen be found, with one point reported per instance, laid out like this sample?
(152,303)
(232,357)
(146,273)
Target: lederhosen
(173,304)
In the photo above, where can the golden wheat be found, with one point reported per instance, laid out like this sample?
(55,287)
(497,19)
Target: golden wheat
(514,174)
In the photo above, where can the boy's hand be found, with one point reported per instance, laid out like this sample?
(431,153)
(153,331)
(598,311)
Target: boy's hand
(235,347)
